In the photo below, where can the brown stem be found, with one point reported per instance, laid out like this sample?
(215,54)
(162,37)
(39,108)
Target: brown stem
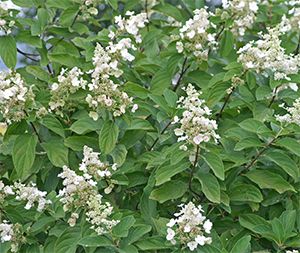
(193,171)
(273,97)
(219,115)
(34,128)
(259,154)
(28,56)
(182,72)
(161,133)
(147,14)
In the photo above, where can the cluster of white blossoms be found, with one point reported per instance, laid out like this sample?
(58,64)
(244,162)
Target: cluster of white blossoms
(88,8)
(6,24)
(93,167)
(292,251)
(130,24)
(235,82)
(195,36)
(11,233)
(266,54)
(15,97)
(103,92)
(68,82)
(28,193)
(32,195)
(81,192)
(293,115)
(242,12)
(291,20)
(195,126)
(190,227)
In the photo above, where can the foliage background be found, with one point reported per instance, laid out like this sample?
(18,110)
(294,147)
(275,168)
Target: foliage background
(248,183)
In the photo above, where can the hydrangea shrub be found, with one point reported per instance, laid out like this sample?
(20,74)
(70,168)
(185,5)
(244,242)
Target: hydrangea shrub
(149,126)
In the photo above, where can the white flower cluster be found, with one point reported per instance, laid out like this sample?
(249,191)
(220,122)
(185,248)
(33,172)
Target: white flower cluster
(98,213)
(266,54)
(80,192)
(293,115)
(106,60)
(292,251)
(32,195)
(291,21)
(69,81)
(5,190)
(92,167)
(131,24)
(242,12)
(6,23)
(190,227)
(11,233)
(15,97)
(88,8)
(29,193)
(104,93)
(195,36)
(195,126)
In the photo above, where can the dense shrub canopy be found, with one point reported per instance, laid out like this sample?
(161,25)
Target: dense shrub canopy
(149,126)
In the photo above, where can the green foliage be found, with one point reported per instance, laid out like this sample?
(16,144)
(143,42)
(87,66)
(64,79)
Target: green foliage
(248,182)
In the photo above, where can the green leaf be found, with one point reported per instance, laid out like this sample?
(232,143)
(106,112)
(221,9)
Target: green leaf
(215,163)
(77,143)
(245,193)
(171,97)
(248,142)
(62,4)
(269,180)
(210,186)
(108,137)
(169,10)
(140,124)
(242,245)
(8,51)
(169,190)
(85,125)
(134,89)
(254,223)
(56,152)
(38,72)
(285,162)
(135,233)
(68,16)
(113,4)
(254,126)
(227,43)
(119,154)
(53,124)
(122,228)
(95,241)
(151,244)
(43,17)
(23,154)
(67,242)
(290,144)
(164,173)
(41,223)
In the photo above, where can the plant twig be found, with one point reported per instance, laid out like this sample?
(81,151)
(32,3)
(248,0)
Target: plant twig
(184,68)
(273,97)
(193,171)
(262,151)
(147,15)
(219,115)
(28,56)
(161,133)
